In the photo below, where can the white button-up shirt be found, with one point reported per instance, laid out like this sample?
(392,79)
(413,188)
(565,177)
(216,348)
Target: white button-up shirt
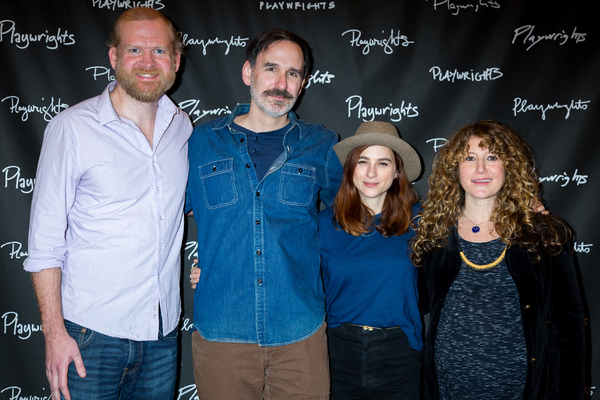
(108,210)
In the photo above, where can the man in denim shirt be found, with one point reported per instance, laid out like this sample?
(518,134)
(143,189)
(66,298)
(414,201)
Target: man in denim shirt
(255,180)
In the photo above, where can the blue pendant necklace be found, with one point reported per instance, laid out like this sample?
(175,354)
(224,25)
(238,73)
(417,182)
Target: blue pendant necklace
(475,227)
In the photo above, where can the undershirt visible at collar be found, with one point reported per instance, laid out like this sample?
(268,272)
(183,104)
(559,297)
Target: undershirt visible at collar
(263,147)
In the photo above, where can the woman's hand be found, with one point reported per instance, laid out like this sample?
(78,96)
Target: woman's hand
(194,274)
(539,208)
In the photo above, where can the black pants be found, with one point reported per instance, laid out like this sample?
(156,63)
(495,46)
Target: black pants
(373,364)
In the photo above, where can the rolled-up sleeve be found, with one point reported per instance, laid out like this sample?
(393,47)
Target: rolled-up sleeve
(53,196)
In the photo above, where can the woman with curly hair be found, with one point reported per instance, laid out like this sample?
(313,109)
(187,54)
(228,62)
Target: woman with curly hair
(506,318)
(374,324)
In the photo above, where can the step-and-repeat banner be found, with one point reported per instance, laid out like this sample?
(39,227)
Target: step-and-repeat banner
(427,66)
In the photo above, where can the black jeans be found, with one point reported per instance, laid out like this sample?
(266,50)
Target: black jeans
(373,364)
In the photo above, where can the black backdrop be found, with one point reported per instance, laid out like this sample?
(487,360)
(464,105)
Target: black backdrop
(428,66)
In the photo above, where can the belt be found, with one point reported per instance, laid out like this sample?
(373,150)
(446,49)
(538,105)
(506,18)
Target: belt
(370,328)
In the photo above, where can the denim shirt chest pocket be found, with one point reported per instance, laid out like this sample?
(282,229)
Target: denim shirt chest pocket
(296,185)
(218,183)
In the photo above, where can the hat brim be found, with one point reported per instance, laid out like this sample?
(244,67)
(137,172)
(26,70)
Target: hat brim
(410,158)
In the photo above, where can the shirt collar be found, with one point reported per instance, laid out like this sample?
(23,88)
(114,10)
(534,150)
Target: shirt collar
(107,113)
(244,109)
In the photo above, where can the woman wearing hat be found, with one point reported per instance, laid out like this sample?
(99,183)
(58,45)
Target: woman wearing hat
(374,324)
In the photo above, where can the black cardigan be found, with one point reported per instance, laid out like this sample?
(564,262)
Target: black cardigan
(552,319)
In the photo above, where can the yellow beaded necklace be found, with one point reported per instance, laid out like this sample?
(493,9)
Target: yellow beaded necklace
(486,266)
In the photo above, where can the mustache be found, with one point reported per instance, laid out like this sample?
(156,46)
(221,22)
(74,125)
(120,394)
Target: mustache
(151,71)
(279,93)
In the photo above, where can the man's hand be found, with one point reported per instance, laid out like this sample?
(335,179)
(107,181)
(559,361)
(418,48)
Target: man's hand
(194,274)
(60,351)
(61,348)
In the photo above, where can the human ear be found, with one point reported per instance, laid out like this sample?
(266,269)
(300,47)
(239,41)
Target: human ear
(113,56)
(247,73)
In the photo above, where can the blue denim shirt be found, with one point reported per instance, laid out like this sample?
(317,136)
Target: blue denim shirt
(257,240)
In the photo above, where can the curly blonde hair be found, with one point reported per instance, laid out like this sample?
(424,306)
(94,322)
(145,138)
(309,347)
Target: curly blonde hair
(514,219)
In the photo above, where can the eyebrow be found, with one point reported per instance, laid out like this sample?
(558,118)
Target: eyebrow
(272,64)
(379,159)
(138,46)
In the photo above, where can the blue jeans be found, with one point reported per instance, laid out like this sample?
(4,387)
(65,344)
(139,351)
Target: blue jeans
(372,364)
(123,369)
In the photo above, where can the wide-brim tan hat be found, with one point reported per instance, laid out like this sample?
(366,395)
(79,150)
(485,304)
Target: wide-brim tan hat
(374,133)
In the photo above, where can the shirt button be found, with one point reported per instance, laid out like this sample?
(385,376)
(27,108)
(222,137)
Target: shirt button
(533,359)
(258,222)
(527,307)
(161,217)
(214,169)
(258,193)
(247,165)
(242,140)
(259,281)
(258,252)
(158,189)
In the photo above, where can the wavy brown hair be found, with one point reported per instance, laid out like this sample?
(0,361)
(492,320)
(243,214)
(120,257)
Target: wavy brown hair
(514,219)
(351,215)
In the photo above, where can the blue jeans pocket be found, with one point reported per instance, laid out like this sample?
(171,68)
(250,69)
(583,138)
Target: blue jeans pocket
(171,336)
(83,336)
